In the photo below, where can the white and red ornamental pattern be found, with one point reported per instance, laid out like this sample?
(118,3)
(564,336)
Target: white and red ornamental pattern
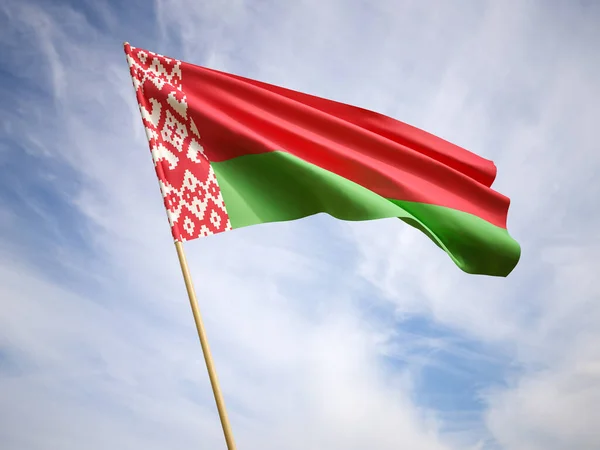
(188,183)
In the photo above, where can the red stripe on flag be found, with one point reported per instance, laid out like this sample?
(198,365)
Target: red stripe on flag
(237,116)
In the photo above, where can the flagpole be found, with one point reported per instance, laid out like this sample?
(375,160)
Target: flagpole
(210,366)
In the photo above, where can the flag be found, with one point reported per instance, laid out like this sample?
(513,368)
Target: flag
(231,152)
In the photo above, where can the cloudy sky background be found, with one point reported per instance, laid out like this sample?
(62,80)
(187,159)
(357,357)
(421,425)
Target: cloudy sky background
(326,335)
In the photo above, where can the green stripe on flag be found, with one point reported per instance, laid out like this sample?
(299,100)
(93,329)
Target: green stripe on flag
(277,186)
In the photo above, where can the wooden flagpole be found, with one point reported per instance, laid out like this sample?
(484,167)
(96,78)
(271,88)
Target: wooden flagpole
(212,374)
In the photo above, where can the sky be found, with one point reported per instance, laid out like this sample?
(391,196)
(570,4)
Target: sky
(325,334)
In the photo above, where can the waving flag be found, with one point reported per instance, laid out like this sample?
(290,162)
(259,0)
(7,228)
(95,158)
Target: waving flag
(232,152)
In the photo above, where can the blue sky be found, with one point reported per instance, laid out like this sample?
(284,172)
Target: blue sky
(326,334)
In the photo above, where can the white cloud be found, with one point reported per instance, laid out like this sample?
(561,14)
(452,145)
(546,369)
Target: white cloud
(546,313)
(120,364)
(114,360)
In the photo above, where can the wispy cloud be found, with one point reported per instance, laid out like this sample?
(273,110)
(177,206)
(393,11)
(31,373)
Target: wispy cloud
(325,334)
